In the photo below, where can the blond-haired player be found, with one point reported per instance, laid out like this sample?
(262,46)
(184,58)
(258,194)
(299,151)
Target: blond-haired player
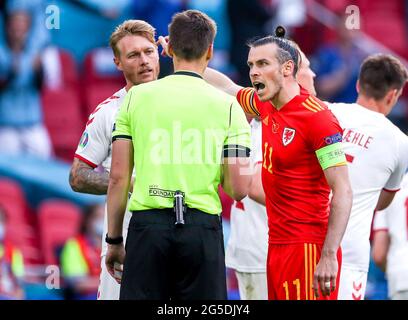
(136,55)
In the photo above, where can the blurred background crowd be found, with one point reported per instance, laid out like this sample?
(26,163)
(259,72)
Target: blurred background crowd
(56,67)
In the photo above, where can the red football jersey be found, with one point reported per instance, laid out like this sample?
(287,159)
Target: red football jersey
(297,193)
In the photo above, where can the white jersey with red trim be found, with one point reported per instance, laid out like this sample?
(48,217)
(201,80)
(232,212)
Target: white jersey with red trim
(377,155)
(95,147)
(394,220)
(248,242)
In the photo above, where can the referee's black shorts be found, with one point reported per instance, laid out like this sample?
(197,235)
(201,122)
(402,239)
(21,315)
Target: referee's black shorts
(168,262)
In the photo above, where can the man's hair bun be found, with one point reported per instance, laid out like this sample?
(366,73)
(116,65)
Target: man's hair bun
(280,32)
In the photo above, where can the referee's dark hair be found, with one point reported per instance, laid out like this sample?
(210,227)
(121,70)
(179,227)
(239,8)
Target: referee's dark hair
(380,73)
(191,33)
(286,50)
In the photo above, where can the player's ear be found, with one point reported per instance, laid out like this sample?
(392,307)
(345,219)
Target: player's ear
(391,97)
(116,60)
(288,68)
(390,100)
(210,52)
(358,86)
(170,50)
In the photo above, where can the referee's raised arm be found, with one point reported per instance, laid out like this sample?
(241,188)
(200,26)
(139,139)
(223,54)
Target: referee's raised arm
(236,163)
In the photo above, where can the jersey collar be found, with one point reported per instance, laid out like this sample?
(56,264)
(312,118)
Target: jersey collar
(188,73)
(296,100)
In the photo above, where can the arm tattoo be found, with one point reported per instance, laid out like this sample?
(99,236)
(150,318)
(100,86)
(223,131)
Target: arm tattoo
(83,178)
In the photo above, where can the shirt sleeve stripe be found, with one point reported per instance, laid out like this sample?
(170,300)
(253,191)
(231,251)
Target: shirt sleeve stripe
(236,151)
(252,103)
(240,96)
(314,103)
(318,102)
(308,107)
(389,190)
(247,101)
(90,163)
(121,137)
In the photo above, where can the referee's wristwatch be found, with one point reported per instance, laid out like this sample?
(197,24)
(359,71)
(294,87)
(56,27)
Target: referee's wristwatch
(117,240)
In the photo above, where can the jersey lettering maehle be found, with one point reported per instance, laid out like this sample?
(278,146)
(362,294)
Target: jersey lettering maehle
(377,155)
(95,145)
(297,193)
(248,241)
(394,220)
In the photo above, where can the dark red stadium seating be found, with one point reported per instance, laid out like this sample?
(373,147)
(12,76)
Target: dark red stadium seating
(20,227)
(382,20)
(62,110)
(385,22)
(62,115)
(98,86)
(13,201)
(58,220)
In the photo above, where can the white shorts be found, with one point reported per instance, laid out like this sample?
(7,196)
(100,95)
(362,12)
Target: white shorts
(252,286)
(108,288)
(353,284)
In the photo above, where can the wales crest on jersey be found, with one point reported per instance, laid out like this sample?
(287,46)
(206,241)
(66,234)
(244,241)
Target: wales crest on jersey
(288,135)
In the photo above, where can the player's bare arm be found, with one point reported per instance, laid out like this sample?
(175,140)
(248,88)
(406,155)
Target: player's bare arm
(83,178)
(385,199)
(119,184)
(381,244)
(326,270)
(256,191)
(236,180)
(221,81)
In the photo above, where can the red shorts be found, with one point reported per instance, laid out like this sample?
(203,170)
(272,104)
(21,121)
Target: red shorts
(290,270)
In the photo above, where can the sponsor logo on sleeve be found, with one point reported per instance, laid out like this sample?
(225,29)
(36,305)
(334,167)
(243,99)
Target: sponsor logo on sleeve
(333,138)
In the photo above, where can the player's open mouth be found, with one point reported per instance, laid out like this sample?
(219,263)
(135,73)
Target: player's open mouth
(146,71)
(259,86)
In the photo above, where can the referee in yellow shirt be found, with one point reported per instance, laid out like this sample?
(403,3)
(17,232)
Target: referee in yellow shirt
(184,138)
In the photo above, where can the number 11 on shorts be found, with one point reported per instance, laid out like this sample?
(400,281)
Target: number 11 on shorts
(296,283)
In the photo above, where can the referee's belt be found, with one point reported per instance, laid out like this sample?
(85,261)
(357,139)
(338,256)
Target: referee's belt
(167,216)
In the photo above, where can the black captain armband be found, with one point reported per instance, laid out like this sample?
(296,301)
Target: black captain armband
(236,151)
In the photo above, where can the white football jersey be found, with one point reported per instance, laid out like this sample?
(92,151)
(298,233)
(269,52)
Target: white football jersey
(248,242)
(377,156)
(394,220)
(95,147)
